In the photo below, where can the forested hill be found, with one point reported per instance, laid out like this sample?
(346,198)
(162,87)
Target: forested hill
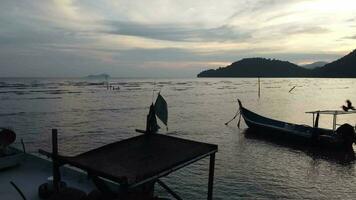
(344,67)
(257,67)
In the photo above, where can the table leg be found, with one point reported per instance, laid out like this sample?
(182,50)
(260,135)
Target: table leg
(211,176)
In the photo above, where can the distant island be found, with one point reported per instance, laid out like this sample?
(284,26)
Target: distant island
(98,76)
(344,67)
(314,65)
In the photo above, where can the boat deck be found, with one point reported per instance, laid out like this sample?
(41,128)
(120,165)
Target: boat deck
(32,173)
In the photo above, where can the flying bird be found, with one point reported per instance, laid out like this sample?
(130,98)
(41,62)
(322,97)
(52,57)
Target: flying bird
(292,89)
(348,106)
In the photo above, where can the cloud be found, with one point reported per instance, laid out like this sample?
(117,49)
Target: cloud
(124,37)
(176,32)
(351,20)
(353,37)
(300,29)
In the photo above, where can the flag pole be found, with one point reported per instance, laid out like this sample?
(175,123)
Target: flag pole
(259,87)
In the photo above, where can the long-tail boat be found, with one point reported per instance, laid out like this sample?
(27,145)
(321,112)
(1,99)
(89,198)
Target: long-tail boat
(340,138)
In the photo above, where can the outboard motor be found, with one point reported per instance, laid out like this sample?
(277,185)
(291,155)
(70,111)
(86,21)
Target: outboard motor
(347,133)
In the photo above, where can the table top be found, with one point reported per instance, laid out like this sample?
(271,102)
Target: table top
(140,159)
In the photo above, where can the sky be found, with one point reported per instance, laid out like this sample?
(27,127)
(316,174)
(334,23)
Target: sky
(167,38)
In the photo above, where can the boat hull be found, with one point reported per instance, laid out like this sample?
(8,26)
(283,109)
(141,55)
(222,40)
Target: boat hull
(14,158)
(292,133)
(274,133)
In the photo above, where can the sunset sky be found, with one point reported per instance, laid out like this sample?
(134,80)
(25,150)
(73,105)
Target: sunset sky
(164,38)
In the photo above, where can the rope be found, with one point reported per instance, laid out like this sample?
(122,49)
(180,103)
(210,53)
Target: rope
(18,190)
(238,123)
(238,113)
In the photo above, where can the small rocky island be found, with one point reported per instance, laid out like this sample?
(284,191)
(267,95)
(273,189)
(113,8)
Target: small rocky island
(344,67)
(98,76)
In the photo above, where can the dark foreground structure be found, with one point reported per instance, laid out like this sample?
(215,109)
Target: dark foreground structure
(134,165)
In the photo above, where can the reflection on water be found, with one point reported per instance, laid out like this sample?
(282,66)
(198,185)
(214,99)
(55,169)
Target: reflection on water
(87,116)
(315,152)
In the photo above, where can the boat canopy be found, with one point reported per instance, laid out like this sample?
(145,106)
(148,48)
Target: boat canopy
(329,112)
(332,112)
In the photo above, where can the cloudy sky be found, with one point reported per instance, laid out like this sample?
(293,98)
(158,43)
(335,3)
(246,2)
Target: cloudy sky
(167,38)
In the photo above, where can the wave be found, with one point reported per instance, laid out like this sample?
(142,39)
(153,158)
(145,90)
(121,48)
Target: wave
(182,89)
(133,88)
(11,114)
(38,98)
(20,92)
(49,84)
(14,92)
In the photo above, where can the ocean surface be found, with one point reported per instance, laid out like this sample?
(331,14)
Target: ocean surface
(88,115)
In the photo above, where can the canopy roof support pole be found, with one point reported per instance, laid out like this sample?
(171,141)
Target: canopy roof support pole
(211,176)
(334,122)
(316,123)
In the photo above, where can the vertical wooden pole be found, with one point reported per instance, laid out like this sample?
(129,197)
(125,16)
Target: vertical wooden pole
(107,83)
(211,176)
(259,87)
(23,146)
(316,123)
(334,122)
(56,174)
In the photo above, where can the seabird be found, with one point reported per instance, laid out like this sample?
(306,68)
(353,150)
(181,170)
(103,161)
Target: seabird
(348,106)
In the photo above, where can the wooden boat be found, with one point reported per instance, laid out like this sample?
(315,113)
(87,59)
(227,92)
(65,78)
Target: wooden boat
(33,171)
(341,138)
(11,158)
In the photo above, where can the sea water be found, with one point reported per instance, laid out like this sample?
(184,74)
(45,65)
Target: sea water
(88,115)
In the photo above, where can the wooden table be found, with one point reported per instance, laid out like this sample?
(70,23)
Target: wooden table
(139,160)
